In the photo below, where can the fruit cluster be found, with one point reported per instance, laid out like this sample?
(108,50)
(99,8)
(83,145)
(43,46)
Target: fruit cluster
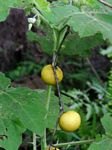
(69,121)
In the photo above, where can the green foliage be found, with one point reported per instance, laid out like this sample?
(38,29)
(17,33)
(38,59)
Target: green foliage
(107,52)
(52,112)
(6,5)
(106,122)
(80,100)
(5,81)
(21,109)
(11,132)
(109,95)
(46,38)
(80,47)
(81,3)
(84,22)
(106,142)
(24,69)
(92,24)
(4,8)
(74,45)
(42,5)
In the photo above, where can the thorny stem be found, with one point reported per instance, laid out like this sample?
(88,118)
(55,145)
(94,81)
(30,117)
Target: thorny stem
(73,143)
(57,84)
(59,94)
(58,41)
(105,3)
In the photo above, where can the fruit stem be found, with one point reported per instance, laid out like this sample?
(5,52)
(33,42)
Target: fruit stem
(34,141)
(74,143)
(57,85)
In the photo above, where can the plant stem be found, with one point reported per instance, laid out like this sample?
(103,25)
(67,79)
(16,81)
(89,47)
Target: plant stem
(105,3)
(43,141)
(55,37)
(37,12)
(74,143)
(58,90)
(59,38)
(34,141)
(48,97)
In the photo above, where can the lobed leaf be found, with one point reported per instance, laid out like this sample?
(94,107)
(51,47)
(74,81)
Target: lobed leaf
(105,144)
(106,122)
(20,109)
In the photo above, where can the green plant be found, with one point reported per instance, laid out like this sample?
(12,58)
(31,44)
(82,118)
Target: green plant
(23,108)
(110,86)
(23,69)
(105,141)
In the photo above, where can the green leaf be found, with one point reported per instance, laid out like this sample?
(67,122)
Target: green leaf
(11,134)
(87,24)
(26,5)
(109,94)
(89,109)
(53,112)
(46,39)
(42,5)
(107,52)
(105,144)
(82,46)
(107,123)
(4,82)
(20,109)
(26,105)
(66,12)
(5,7)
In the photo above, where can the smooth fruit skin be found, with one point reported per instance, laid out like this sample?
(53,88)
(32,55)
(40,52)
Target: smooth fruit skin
(52,148)
(70,121)
(48,77)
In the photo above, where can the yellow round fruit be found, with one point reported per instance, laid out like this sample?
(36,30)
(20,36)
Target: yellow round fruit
(52,148)
(70,121)
(48,77)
